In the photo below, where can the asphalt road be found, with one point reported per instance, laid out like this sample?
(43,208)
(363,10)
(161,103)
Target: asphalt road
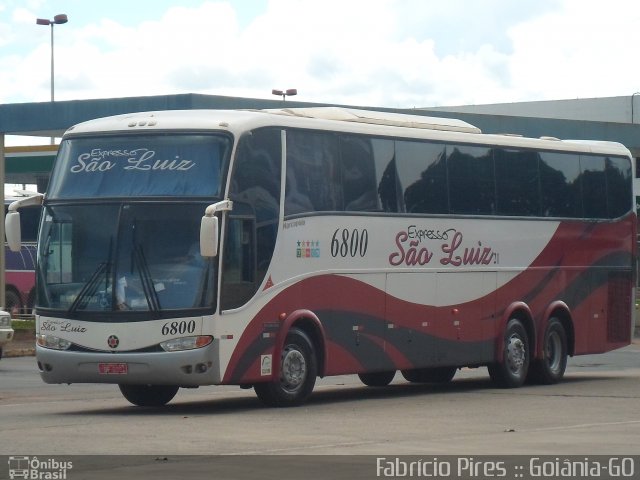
(595,410)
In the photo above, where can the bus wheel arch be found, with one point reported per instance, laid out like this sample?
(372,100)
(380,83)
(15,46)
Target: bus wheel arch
(557,343)
(294,374)
(519,311)
(311,326)
(514,352)
(561,313)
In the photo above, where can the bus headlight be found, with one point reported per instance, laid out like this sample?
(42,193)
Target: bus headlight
(186,343)
(5,321)
(49,341)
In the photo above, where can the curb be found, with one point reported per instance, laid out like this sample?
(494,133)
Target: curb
(18,352)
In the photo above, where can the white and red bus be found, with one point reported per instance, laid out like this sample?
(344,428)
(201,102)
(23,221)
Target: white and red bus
(24,164)
(20,275)
(267,248)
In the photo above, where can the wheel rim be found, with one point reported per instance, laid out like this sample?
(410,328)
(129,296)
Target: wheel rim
(516,354)
(294,370)
(554,351)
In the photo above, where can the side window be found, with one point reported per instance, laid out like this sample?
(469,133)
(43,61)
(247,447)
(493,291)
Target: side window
(471,180)
(619,185)
(358,175)
(256,174)
(386,175)
(594,186)
(560,191)
(313,176)
(59,252)
(423,176)
(253,224)
(517,182)
(239,276)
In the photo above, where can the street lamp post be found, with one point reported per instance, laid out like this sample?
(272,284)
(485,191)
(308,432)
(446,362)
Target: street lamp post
(57,20)
(285,93)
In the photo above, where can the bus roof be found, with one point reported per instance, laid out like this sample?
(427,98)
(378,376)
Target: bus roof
(348,120)
(379,118)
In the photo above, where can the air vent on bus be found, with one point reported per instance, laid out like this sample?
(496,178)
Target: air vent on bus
(379,118)
(619,306)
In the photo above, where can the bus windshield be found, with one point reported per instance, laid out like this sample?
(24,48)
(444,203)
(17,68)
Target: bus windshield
(123,257)
(176,165)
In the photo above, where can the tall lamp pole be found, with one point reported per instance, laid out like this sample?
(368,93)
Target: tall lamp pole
(57,20)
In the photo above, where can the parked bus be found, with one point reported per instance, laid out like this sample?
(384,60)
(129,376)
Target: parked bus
(20,273)
(25,165)
(267,248)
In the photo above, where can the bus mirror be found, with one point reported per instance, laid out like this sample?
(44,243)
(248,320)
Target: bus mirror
(209,236)
(12,220)
(209,228)
(12,231)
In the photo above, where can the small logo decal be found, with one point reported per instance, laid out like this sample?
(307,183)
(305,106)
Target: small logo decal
(265,365)
(113,341)
(308,249)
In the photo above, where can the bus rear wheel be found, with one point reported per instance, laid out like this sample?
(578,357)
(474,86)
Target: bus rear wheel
(148,395)
(511,371)
(377,379)
(550,368)
(429,375)
(298,371)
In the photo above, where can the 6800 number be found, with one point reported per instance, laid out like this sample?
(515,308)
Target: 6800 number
(349,243)
(182,327)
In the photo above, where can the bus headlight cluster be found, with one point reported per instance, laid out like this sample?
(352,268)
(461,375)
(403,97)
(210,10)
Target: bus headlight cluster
(49,341)
(5,321)
(186,343)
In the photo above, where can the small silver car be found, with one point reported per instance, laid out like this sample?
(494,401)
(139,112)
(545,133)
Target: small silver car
(6,332)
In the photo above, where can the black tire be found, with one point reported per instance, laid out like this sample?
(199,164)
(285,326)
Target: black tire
(298,371)
(12,302)
(149,395)
(430,375)
(511,371)
(0,352)
(551,367)
(377,379)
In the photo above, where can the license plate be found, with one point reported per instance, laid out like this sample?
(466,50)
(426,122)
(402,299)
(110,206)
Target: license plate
(113,368)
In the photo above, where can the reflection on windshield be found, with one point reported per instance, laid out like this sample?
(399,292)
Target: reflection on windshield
(120,257)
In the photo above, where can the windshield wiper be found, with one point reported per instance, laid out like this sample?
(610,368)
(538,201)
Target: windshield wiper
(148,287)
(88,289)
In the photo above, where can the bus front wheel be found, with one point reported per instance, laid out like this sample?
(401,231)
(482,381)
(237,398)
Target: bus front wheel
(148,395)
(298,371)
(511,370)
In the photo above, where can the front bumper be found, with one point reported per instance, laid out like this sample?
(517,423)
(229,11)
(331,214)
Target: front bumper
(188,368)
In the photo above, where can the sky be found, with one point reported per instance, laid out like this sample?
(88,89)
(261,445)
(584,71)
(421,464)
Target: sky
(390,53)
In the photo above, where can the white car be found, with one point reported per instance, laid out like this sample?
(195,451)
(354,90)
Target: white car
(6,332)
